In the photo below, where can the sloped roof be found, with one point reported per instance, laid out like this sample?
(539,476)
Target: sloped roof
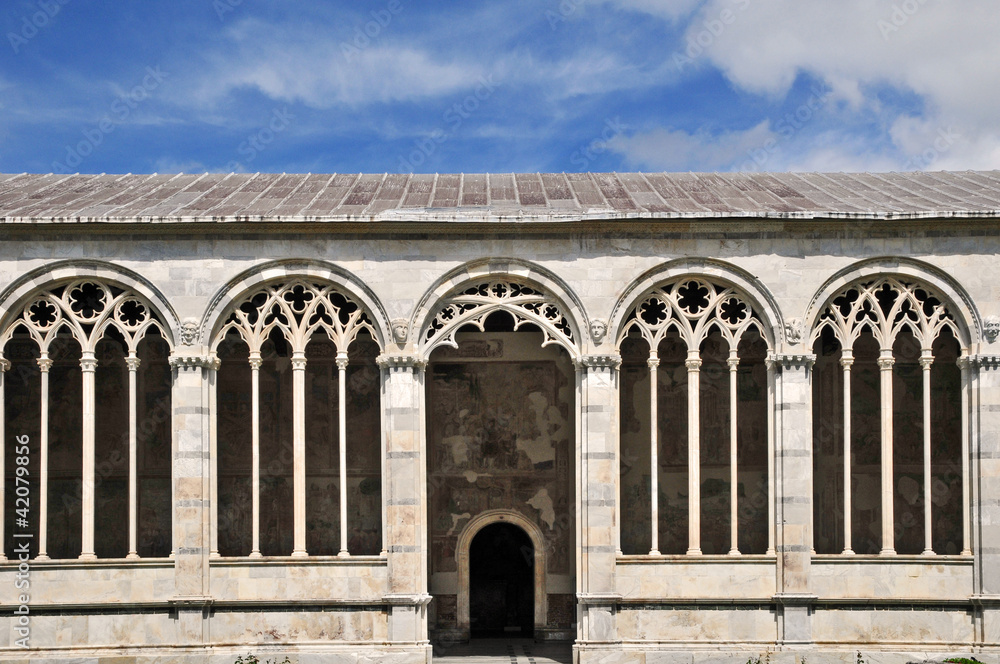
(505,197)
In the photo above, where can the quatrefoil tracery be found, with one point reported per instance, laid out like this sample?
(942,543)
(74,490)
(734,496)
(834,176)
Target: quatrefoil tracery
(474,304)
(886,307)
(298,309)
(694,308)
(87,309)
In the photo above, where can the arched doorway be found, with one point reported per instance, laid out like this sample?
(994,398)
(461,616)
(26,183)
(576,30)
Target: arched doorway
(501,582)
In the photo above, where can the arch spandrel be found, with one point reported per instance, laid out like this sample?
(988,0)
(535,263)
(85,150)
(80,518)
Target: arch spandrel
(470,293)
(320,274)
(742,284)
(965,320)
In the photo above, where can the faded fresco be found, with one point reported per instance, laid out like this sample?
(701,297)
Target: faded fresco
(500,436)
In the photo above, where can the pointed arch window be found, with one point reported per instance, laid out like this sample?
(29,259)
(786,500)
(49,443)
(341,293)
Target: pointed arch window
(695,430)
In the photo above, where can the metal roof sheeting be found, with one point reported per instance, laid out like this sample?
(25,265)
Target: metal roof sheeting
(512,197)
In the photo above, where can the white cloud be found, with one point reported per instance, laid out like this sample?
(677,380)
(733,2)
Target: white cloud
(670,9)
(673,150)
(299,64)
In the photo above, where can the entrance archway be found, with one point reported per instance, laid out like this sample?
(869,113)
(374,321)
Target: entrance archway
(501,583)
(517,536)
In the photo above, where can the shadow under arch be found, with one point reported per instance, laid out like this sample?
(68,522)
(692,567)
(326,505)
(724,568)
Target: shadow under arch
(13,298)
(516,271)
(237,288)
(465,538)
(959,302)
(711,270)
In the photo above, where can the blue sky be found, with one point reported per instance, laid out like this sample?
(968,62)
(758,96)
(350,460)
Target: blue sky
(500,85)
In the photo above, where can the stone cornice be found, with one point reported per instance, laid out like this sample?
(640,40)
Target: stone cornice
(608,361)
(398,362)
(192,362)
(794,360)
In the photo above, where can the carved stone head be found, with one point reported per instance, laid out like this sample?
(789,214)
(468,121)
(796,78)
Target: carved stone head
(991,328)
(794,330)
(189,331)
(598,328)
(400,330)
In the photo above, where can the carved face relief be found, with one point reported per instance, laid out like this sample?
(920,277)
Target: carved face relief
(794,330)
(991,328)
(189,331)
(400,330)
(598,328)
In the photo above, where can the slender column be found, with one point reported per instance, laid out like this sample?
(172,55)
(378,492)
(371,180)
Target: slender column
(342,417)
(44,364)
(771,391)
(213,453)
(965,365)
(4,366)
(885,362)
(734,525)
(133,494)
(88,365)
(654,457)
(299,451)
(926,360)
(693,365)
(255,363)
(846,361)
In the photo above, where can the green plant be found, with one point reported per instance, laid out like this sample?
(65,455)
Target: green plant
(253,659)
(963,660)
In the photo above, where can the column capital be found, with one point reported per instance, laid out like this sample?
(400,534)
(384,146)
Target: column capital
(599,361)
(88,363)
(298,360)
(342,359)
(401,362)
(734,363)
(652,363)
(194,362)
(132,362)
(44,363)
(925,362)
(847,361)
(794,360)
(885,363)
(4,364)
(693,365)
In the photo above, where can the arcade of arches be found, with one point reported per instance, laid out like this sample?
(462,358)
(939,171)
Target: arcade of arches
(502,466)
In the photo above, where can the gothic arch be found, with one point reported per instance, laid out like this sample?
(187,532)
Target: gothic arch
(16,296)
(965,315)
(465,538)
(260,277)
(471,292)
(707,270)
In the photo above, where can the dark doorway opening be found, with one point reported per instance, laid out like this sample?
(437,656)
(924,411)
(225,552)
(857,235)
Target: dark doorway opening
(501,582)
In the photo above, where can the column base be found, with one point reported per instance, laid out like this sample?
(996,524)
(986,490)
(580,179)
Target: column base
(87,556)
(300,554)
(132,555)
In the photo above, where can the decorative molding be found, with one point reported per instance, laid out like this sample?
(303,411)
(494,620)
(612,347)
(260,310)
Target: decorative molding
(398,362)
(192,362)
(599,361)
(988,362)
(794,361)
